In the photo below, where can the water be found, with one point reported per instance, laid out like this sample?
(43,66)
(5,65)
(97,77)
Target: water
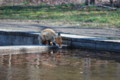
(61,65)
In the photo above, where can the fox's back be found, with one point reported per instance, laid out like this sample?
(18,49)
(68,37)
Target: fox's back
(48,34)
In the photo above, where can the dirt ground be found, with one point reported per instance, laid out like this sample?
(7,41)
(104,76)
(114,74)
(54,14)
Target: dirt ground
(111,33)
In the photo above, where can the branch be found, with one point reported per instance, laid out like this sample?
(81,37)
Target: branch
(103,6)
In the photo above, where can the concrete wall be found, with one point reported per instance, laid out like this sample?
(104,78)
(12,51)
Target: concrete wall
(8,38)
(18,38)
(21,42)
(76,41)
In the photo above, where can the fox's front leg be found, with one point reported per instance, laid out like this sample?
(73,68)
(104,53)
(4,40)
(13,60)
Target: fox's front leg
(45,42)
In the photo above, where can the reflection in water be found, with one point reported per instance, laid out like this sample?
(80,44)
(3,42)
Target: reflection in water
(61,65)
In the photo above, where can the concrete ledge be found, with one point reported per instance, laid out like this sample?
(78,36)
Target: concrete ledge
(4,50)
(14,42)
(8,38)
(76,41)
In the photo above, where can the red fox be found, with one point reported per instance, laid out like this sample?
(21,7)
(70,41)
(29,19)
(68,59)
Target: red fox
(49,37)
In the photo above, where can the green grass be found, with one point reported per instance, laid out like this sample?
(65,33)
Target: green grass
(61,12)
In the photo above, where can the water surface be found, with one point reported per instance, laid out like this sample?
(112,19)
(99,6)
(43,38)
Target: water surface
(61,65)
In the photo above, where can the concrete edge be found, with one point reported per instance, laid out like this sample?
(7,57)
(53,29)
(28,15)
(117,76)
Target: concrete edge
(19,33)
(77,41)
(5,50)
(74,41)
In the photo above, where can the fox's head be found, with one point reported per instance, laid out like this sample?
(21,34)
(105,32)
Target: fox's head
(58,40)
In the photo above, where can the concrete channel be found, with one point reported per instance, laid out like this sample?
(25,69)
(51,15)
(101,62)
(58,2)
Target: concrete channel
(28,42)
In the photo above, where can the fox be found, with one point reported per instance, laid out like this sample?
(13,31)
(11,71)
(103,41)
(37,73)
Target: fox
(50,37)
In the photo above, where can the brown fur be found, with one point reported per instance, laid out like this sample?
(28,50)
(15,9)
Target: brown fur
(49,37)
(59,41)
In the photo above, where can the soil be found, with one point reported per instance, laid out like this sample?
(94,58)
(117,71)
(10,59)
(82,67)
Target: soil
(34,26)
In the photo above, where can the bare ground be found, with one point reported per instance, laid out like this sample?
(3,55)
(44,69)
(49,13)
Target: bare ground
(35,26)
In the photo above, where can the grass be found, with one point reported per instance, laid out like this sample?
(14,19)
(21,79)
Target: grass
(61,12)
